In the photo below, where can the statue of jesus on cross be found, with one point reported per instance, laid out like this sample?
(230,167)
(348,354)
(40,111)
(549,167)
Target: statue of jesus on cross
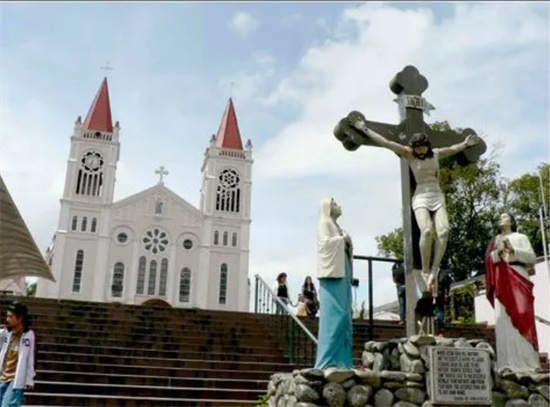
(428,202)
(420,148)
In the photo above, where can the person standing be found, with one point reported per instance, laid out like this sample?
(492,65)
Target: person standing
(335,273)
(398,274)
(443,287)
(281,291)
(510,292)
(310,296)
(17,356)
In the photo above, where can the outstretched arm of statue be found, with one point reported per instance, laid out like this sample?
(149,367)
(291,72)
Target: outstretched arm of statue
(397,148)
(470,141)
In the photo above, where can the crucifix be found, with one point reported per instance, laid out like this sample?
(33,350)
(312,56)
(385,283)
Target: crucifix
(161,172)
(413,141)
(107,68)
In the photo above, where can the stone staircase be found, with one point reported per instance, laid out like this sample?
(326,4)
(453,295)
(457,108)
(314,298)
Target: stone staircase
(93,354)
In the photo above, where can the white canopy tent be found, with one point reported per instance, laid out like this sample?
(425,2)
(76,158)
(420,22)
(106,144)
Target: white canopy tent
(19,255)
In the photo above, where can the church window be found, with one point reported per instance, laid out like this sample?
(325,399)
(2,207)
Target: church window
(122,237)
(90,174)
(223,284)
(228,195)
(234,240)
(118,280)
(155,241)
(158,208)
(78,265)
(74,223)
(185,285)
(216,237)
(94,225)
(187,244)
(225,238)
(163,277)
(84,225)
(152,278)
(141,275)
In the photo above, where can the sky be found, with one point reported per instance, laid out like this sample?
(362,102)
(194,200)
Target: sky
(293,70)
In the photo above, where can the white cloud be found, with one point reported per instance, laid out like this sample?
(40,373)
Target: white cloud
(244,23)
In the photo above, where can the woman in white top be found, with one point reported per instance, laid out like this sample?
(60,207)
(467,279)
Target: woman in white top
(428,201)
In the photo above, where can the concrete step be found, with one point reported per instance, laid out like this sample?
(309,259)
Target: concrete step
(162,381)
(99,400)
(108,369)
(164,344)
(146,391)
(80,358)
(47,348)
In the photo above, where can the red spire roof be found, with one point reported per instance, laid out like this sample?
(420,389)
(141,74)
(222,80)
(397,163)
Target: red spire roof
(228,134)
(99,115)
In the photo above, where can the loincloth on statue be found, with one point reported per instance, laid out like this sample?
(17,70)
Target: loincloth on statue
(430,200)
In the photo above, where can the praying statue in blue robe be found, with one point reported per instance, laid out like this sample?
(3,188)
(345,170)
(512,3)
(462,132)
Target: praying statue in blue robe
(335,273)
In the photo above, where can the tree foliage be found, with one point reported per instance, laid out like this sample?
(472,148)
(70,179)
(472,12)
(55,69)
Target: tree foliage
(475,196)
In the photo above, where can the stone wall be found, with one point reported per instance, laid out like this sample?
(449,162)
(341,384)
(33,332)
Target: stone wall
(395,374)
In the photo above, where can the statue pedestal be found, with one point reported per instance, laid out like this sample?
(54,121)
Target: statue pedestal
(421,371)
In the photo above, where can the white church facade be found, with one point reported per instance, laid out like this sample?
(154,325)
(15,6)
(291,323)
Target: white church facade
(154,245)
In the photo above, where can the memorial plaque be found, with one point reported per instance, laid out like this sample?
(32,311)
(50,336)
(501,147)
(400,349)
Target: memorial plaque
(460,376)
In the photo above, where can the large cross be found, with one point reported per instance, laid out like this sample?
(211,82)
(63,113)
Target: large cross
(408,85)
(161,172)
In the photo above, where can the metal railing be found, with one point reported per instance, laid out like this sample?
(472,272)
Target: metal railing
(298,341)
(370,260)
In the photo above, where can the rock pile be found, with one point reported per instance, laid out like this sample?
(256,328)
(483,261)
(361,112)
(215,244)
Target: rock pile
(394,374)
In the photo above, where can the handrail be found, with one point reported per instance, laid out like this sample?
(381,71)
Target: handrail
(299,343)
(285,307)
(542,320)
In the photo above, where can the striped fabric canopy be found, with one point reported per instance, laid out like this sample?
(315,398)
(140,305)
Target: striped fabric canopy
(19,255)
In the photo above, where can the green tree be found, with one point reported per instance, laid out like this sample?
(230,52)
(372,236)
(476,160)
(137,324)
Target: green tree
(474,195)
(524,200)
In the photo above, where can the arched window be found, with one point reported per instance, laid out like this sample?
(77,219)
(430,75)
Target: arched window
(185,285)
(78,266)
(158,208)
(94,225)
(90,175)
(228,194)
(118,280)
(84,224)
(74,223)
(141,275)
(223,284)
(163,277)
(225,238)
(234,240)
(216,237)
(152,278)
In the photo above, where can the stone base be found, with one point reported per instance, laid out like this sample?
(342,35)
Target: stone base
(394,374)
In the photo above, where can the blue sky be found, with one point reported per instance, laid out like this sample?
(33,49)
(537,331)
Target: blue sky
(297,68)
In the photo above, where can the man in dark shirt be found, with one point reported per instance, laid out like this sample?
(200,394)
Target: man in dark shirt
(398,274)
(282,292)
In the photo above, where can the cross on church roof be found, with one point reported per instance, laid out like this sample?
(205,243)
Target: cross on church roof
(161,171)
(106,67)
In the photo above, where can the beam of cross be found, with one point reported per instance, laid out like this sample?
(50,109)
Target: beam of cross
(408,85)
(161,172)
(107,68)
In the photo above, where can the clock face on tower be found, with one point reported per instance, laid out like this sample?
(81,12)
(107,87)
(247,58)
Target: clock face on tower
(92,161)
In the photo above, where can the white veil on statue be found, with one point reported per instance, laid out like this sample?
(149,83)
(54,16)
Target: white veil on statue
(331,246)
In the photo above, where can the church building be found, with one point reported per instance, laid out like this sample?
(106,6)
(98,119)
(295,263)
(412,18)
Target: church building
(152,246)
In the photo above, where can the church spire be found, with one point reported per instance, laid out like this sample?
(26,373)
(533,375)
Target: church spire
(228,134)
(99,115)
